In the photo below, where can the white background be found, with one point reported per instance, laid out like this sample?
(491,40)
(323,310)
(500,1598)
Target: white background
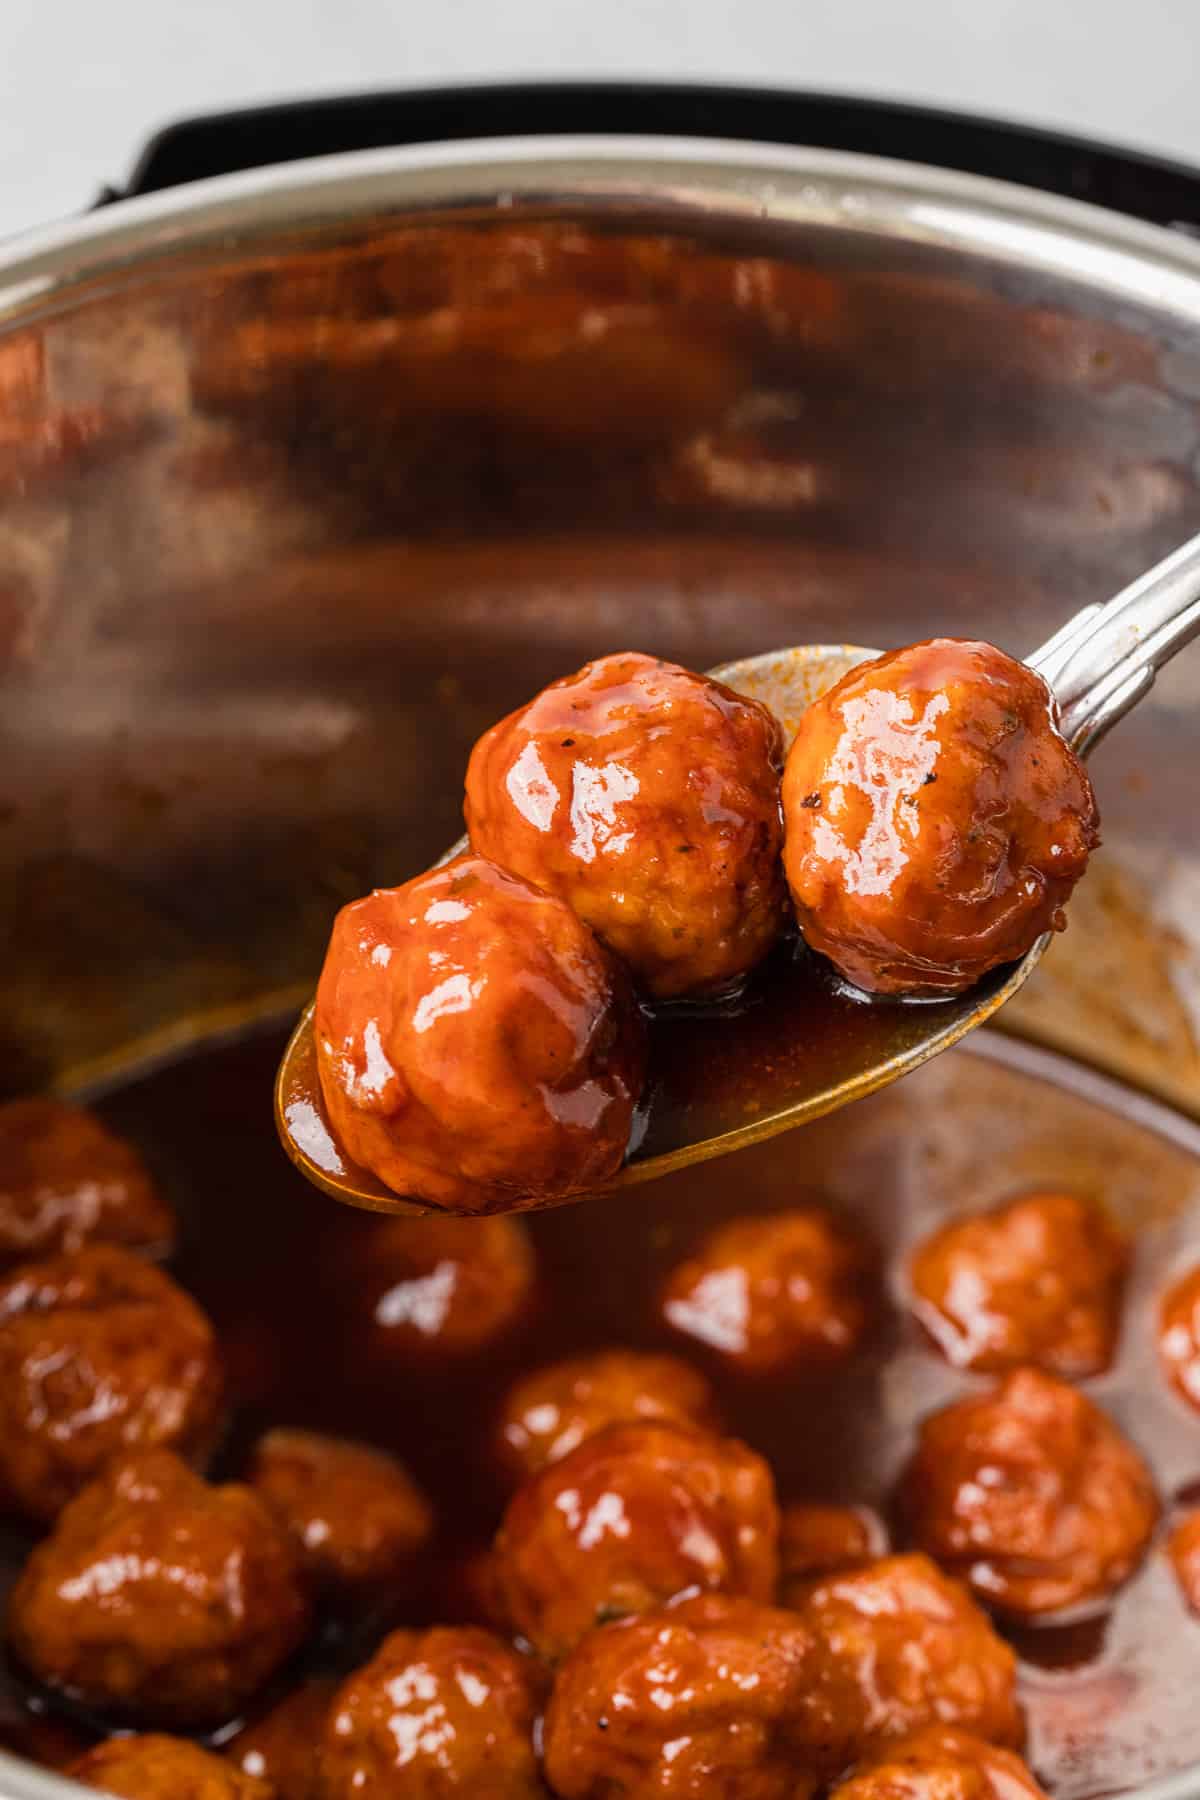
(84,82)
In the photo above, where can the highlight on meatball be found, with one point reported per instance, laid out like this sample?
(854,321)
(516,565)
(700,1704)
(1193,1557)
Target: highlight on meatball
(1183,1549)
(1179,1335)
(899,1646)
(705,1697)
(935,819)
(817,1540)
(283,1747)
(1032,1495)
(941,1763)
(158,1597)
(476,1045)
(1038,1279)
(549,1413)
(66,1180)
(647,798)
(437,1286)
(99,1353)
(155,1767)
(354,1513)
(435,1713)
(770,1292)
(632,1517)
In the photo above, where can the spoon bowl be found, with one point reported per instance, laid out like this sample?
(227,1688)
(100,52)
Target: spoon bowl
(807,1043)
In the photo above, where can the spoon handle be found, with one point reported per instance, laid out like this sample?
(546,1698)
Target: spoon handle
(1104,660)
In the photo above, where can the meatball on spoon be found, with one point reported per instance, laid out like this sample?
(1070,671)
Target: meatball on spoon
(936,902)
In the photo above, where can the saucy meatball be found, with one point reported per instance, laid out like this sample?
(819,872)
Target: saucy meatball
(633,1516)
(354,1513)
(154,1767)
(705,1697)
(435,1713)
(825,1540)
(476,1045)
(1183,1548)
(647,798)
(549,1413)
(440,1286)
(66,1181)
(1032,1495)
(936,821)
(942,1764)
(158,1596)
(770,1292)
(1038,1279)
(283,1748)
(900,1646)
(1179,1335)
(99,1352)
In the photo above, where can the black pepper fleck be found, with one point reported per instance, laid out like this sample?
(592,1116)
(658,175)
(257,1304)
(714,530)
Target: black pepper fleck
(812,801)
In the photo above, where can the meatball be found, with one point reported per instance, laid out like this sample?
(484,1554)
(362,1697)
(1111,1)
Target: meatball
(549,1413)
(354,1513)
(99,1352)
(440,1286)
(435,1713)
(647,798)
(1032,1495)
(1038,1279)
(825,1540)
(942,1764)
(476,1045)
(283,1748)
(633,1516)
(705,1697)
(1179,1335)
(159,1597)
(66,1181)
(900,1646)
(770,1292)
(936,821)
(1183,1548)
(152,1767)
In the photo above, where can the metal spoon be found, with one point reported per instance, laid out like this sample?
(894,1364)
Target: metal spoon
(1100,664)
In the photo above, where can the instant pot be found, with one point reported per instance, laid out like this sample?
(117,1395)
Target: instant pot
(348,425)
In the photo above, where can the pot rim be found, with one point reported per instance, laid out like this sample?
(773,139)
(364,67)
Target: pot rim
(674,179)
(670,178)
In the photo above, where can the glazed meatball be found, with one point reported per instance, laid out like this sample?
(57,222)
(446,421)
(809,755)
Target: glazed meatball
(819,1540)
(900,1646)
(66,1181)
(936,820)
(476,1045)
(633,1516)
(1038,1279)
(703,1698)
(1032,1495)
(432,1714)
(942,1764)
(354,1513)
(153,1767)
(283,1748)
(549,1413)
(99,1353)
(1179,1335)
(647,798)
(768,1293)
(1183,1548)
(159,1597)
(440,1286)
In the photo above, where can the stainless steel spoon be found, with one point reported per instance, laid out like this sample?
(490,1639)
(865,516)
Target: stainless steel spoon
(1100,664)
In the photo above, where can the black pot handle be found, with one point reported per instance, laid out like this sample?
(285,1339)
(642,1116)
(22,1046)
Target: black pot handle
(1147,187)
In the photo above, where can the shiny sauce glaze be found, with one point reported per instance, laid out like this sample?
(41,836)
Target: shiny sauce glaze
(283,1274)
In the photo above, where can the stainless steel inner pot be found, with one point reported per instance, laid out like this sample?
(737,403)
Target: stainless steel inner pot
(306,475)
